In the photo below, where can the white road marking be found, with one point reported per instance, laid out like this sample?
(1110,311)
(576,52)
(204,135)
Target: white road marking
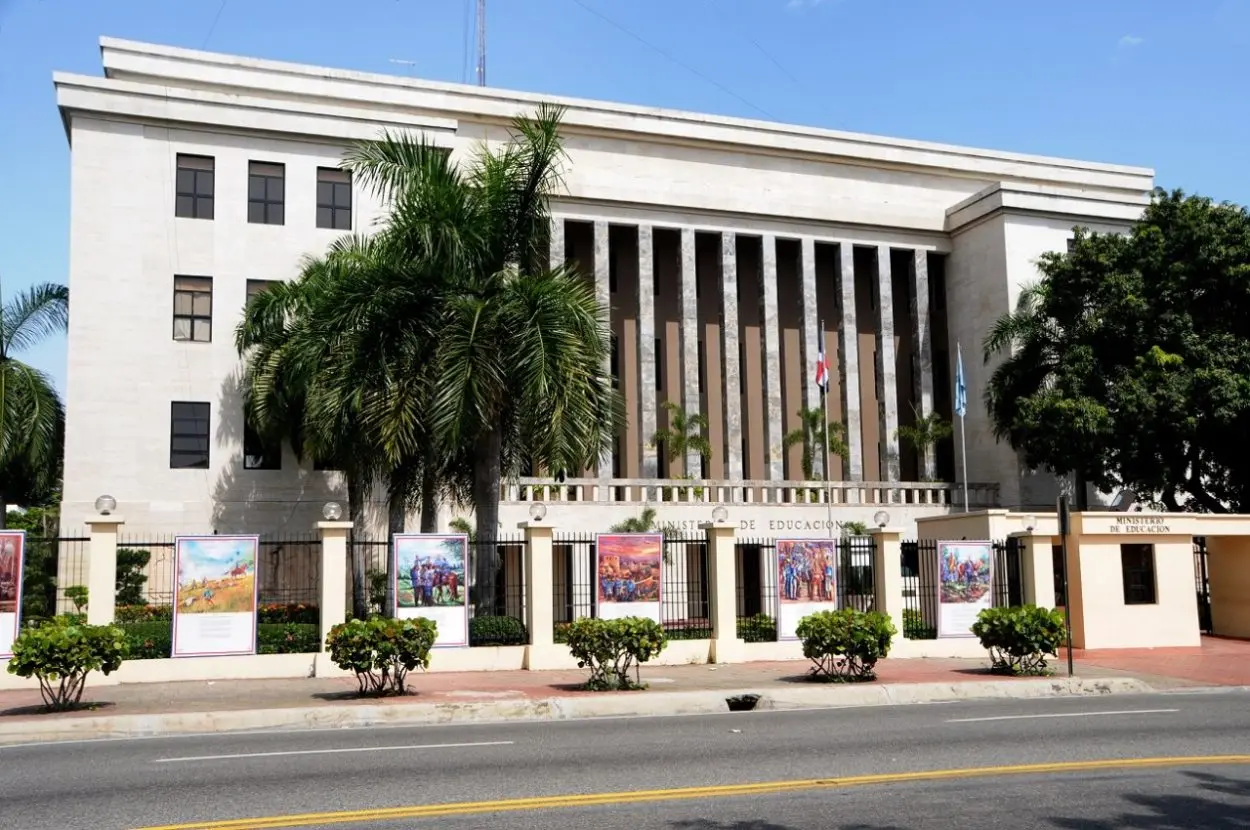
(1067,715)
(326,751)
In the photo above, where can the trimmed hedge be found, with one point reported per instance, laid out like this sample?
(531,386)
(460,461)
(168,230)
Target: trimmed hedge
(268,613)
(497,631)
(154,640)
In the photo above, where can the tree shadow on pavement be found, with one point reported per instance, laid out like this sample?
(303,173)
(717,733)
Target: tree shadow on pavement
(707,824)
(1157,811)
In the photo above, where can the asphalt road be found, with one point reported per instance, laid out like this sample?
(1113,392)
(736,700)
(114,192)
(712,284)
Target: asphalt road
(179,781)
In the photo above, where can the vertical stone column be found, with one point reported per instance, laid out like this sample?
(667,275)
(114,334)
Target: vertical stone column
(102,568)
(887,376)
(729,355)
(813,335)
(333,575)
(887,573)
(603,293)
(690,340)
(557,242)
(772,359)
(1037,569)
(848,365)
(646,348)
(542,651)
(923,339)
(727,647)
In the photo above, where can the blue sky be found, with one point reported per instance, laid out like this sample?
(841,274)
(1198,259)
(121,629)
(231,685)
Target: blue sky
(211,558)
(1150,82)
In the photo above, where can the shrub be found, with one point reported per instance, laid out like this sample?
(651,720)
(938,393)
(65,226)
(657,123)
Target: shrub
(758,629)
(61,653)
(497,631)
(293,612)
(561,632)
(846,645)
(915,627)
(148,640)
(142,613)
(130,576)
(1020,638)
(287,638)
(381,651)
(610,648)
(77,594)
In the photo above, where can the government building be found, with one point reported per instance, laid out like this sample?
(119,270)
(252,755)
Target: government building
(731,252)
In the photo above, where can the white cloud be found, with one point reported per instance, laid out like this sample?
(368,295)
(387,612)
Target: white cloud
(1129,41)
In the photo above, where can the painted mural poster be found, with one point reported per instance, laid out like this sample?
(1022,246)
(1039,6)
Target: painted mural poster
(431,581)
(629,568)
(965,581)
(807,581)
(12,555)
(215,595)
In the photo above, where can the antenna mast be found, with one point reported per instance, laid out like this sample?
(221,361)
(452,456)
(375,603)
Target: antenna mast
(481,42)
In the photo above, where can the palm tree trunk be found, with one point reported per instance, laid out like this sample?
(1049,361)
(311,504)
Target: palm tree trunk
(429,503)
(395,519)
(360,578)
(487,475)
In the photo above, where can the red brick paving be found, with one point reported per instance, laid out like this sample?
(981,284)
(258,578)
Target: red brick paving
(1217,662)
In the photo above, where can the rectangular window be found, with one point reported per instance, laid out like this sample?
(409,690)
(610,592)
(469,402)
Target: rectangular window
(193,187)
(324,467)
(188,435)
(334,199)
(1071,244)
(1137,563)
(193,309)
(266,193)
(659,363)
(254,287)
(257,455)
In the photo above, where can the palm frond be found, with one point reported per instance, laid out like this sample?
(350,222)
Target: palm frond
(39,311)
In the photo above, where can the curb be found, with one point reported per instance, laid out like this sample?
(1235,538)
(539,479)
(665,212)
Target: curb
(628,704)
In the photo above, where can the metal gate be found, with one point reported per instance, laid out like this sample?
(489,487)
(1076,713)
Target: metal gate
(1202,580)
(1008,581)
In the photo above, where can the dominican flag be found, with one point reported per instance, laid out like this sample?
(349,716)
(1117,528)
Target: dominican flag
(961,388)
(822,370)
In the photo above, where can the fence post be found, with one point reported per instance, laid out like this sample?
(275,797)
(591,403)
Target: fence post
(1037,569)
(102,569)
(333,575)
(887,573)
(727,646)
(542,652)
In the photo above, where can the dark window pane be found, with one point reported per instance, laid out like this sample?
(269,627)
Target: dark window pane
(203,184)
(277,214)
(256,212)
(186,181)
(343,220)
(275,189)
(185,207)
(202,331)
(255,187)
(343,195)
(324,219)
(325,193)
(204,208)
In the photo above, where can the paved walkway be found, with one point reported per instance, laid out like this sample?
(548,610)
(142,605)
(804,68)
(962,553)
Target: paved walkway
(1217,662)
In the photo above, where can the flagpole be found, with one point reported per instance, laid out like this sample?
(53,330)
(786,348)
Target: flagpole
(961,409)
(963,452)
(824,403)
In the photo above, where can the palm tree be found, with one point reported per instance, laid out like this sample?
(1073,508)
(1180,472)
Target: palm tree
(811,435)
(32,418)
(491,356)
(924,435)
(685,434)
(644,522)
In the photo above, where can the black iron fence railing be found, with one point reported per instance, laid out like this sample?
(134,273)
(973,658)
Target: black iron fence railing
(572,580)
(920,583)
(51,565)
(685,609)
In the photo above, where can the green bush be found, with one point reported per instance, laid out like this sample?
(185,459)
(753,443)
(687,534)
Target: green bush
(291,612)
(561,632)
(1020,638)
(148,640)
(61,653)
(758,629)
(381,651)
(130,577)
(287,638)
(915,627)
(610,648)
(77,594)
(497,631)
(846,645)
(142,613)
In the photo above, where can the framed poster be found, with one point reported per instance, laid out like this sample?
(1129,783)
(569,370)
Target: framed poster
(12,558)
(215,594)
(807,581)
(629,572)
(432,581)
(965,581)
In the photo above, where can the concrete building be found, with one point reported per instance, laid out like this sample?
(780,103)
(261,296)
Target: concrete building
(729,251)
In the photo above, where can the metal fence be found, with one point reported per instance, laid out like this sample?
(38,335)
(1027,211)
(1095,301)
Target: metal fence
(685,604)
(760,581)
(1202,585)
(51,565)
(919,568)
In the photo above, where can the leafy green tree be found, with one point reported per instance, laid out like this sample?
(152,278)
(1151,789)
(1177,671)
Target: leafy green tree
(924,434)
(32,418)
(811,436)
(1128,364)
(492,356)
(644,522)
(685,434)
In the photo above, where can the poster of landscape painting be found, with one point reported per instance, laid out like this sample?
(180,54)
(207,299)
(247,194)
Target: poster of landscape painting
(431,581)
(630,571)
(215,595)
(807,581)
(965,580)
(12,551)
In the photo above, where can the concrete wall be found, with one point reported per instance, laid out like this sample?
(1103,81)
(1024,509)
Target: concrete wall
(1228,572)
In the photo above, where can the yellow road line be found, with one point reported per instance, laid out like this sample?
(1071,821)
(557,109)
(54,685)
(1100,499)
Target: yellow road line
(686,793)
